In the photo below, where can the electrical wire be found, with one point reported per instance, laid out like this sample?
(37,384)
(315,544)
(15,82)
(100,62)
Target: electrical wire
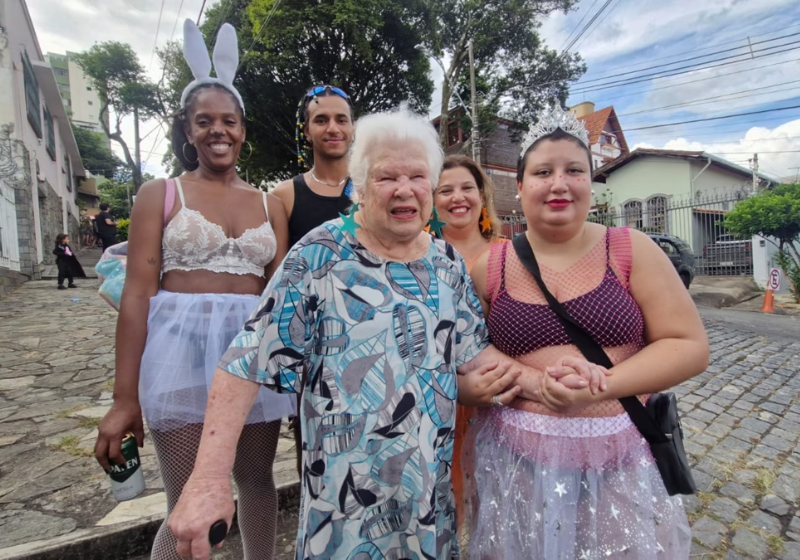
(158,27)
(177,17)
(562,49)
(588,25)
(202,7)
(260,31)
(599,23)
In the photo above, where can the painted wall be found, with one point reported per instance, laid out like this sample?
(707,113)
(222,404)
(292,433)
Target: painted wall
(646,176)
(717,180)
(50,177)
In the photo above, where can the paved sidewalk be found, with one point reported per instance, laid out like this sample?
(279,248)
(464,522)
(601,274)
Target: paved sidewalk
(741,417)
(56,377)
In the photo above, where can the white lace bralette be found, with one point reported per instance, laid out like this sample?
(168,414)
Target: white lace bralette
(191,242)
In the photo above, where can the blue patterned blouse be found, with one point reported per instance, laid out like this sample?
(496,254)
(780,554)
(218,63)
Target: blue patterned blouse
(380,342)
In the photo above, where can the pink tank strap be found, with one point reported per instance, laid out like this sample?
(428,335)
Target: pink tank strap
(495,270)
(621,253)
(169,199)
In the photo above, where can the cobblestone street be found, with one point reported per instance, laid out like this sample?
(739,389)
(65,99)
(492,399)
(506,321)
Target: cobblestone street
(741,417)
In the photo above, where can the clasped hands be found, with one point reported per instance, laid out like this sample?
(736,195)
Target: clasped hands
(570,385)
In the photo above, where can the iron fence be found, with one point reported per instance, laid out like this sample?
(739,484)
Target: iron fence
(697,220)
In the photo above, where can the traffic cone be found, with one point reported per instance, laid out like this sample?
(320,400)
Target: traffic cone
(769,301)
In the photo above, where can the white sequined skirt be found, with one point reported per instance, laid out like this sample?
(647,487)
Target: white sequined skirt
(186,336)
(553,488)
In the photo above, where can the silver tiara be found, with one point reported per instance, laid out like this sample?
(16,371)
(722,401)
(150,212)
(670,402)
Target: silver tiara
(549,121)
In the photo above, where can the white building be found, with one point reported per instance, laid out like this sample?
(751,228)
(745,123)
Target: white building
(39,159)
(78,92)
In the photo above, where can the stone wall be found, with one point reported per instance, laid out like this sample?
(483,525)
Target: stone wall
(50,220)
(10,279)
(28,262)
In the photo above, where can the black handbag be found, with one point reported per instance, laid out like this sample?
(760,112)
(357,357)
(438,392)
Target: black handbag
(658,422)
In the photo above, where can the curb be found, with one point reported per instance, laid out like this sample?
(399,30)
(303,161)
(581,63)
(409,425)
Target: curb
(119,543)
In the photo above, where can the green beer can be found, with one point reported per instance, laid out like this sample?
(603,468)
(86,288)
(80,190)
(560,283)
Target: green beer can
(127,480)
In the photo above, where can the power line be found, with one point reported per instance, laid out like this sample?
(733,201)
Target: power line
(694,51)
(260,31)
(685,70)
(599,23)
(714,118)
(588,25)
(708,99)
(178,17)
(202,7)
(158,27)
(761,67)
(716,128)
(577,26)
(701,56)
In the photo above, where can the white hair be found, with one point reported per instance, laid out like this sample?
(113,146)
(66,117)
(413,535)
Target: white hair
(398,125)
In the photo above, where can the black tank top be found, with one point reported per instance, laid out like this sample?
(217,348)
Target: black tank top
(311,210)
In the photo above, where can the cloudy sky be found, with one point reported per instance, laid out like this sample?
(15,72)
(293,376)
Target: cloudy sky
(658,62)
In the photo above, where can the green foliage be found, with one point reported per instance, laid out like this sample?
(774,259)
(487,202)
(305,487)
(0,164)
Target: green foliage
(122,229)
(95,152)
(366,47)
(516,74)
(773,214)
(115,193)
(122,85)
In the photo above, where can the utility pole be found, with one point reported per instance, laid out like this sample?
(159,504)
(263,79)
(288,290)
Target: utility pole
(476,135)
(754,161)
(137,173)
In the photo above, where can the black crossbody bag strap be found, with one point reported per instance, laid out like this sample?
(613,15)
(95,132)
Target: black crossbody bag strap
(588,346)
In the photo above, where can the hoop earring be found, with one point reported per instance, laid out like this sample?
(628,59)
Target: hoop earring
(486,223)
(183,149)
(249,145)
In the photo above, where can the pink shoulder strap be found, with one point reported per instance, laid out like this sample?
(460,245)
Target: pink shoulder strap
(621,252)
(494,270)
(169,199)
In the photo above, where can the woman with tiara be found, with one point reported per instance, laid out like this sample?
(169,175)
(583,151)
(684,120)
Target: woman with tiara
(197,263)
(564,473)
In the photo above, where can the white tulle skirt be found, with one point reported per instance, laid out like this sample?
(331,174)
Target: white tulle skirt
(186,336)
(549,488)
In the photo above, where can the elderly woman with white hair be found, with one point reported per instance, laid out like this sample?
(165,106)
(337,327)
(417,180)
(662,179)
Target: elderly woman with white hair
(370,318)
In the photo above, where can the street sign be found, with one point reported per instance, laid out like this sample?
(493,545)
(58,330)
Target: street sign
(774,281)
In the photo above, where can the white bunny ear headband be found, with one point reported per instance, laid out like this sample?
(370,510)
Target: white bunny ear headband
(226,59)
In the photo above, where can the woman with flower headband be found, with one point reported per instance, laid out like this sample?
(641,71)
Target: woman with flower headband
(201,249)
(566,473)
(464,200)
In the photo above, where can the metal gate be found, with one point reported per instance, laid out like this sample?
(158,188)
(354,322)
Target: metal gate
(698,221)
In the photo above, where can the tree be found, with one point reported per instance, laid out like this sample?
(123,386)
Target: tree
(117,192)
(775,216)
(366,47)
(123,89)
(516,74)
(95,152)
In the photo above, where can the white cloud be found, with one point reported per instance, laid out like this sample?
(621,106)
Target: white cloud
(761,140)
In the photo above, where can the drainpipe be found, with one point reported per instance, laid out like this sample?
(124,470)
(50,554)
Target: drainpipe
(691,186)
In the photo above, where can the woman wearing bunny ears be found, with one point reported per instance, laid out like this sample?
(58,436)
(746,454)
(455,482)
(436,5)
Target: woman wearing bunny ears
(197,263)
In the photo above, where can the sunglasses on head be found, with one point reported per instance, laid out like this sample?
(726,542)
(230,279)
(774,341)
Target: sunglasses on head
(321,89)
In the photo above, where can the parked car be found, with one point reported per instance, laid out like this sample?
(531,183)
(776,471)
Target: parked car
(729,255)
(679,253)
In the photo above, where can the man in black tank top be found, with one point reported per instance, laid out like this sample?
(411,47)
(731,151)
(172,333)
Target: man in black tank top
(325,131)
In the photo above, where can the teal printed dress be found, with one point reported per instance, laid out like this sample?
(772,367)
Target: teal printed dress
(380,342)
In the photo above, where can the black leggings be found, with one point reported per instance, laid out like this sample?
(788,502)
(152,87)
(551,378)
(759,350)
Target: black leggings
(64,272)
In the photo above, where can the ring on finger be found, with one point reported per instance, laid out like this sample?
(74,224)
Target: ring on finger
(496,400)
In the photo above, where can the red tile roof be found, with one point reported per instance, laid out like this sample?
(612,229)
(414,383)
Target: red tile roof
(595,123)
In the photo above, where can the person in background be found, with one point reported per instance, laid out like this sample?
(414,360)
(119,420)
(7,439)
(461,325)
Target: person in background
(568,474)
(68,266)
(464,200)
(106,227)
(197,263)
(324,134)
(87,229)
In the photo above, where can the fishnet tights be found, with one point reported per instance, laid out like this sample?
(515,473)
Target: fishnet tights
(252,472)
